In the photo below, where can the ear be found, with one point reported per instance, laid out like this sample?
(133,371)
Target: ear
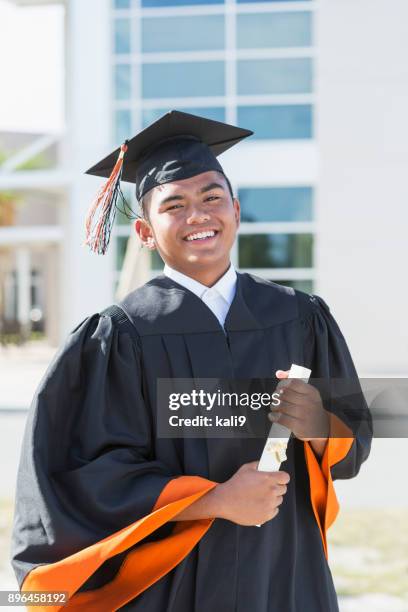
(237,211)
(144,231)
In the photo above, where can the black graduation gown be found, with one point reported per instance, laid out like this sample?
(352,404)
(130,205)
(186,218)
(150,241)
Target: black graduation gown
(91,463)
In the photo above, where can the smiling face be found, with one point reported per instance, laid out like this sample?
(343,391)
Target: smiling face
(193,224)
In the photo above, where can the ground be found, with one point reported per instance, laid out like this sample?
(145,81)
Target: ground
(367,555)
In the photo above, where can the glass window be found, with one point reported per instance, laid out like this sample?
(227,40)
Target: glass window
(122,82)
(147,3)
(122,4)
(276,204)
(302,285)
(121,244)
(275,250)
(277,122)
(183,79)
(122,213)
(122,35)
(274,76)
(205,32)
(269,30)
(123,125)
(217,113)
(250,1)
(156,262)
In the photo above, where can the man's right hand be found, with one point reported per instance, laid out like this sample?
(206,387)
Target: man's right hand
(250,497)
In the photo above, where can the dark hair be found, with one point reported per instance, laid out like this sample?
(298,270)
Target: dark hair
(142,205)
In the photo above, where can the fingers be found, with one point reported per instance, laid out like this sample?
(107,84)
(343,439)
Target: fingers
(296,385)
(279,500)
(282,477)
(285,419)
(279,489)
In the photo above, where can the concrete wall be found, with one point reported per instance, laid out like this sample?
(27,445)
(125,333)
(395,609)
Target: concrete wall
(362,132)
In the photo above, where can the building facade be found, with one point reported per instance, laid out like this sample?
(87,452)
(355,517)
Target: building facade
(322,181)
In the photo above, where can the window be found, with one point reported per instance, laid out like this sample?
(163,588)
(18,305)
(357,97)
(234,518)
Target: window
(276,204)
(250,1)
(205,32)
(275,250)
(274,76)
(183,79)
(122,36)
(121,245)
(122,82)
(122,4)
(186,59)
(152,114)
(156,261)
(123,215)
(266,30)
(164,3)
(123,125)
(277,122)
(302,285)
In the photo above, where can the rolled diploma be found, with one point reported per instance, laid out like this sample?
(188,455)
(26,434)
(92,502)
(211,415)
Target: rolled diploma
(274,452)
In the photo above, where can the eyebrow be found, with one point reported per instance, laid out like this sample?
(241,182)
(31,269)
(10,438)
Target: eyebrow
(204,189)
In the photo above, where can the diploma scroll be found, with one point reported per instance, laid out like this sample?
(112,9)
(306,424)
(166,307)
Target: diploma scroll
(274,452)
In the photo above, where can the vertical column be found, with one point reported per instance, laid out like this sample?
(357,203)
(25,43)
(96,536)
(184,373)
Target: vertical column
(87,284)
(52,306)
(23,288)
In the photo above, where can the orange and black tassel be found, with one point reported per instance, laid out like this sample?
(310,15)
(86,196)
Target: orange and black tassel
(101,215)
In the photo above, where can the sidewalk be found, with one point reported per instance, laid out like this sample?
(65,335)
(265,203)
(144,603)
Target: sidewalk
(21,369)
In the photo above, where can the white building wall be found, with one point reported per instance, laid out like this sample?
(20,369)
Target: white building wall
(362,132)
(88,278)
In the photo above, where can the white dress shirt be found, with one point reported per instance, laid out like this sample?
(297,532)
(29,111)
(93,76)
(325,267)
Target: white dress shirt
(218,298)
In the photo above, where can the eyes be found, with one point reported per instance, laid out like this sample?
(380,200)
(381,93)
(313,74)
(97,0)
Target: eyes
(212,198)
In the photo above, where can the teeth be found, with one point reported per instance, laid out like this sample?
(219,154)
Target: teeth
(201,235)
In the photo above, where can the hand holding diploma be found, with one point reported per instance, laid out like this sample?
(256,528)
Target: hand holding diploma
(248,498)
(300,409)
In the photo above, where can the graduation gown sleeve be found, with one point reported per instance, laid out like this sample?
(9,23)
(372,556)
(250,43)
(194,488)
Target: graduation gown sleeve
(349,443)
(89,489)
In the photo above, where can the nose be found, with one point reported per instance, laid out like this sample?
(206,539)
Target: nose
(197,215)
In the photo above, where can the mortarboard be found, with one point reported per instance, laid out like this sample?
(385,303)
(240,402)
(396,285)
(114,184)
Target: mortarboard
(175,147)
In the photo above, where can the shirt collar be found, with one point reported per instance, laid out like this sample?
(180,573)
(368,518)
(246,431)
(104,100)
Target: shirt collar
(225,286)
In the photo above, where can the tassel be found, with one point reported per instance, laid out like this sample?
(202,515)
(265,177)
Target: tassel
(98,231)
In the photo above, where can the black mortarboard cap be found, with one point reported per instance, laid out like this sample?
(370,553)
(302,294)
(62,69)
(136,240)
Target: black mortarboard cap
(175,147)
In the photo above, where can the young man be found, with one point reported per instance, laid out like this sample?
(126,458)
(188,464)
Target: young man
(124,519)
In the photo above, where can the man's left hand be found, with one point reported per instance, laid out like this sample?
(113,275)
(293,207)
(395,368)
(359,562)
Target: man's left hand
(300,409)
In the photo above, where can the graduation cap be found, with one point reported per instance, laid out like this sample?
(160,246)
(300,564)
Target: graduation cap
(177,146)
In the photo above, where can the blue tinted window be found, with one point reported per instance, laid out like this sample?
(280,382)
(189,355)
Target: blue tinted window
(121,246)
(122,82)
(123,125)
(302,285)
(183,79)
(250,1)
(277,122)
(122,35)
(147,3)
(152,114)
(183,33)
(275,251)
(122,4)
(274,76)
(257,30)
(156,262)
(276,204)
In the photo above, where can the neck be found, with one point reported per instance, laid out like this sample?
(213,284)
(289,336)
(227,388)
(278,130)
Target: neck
(206,276)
